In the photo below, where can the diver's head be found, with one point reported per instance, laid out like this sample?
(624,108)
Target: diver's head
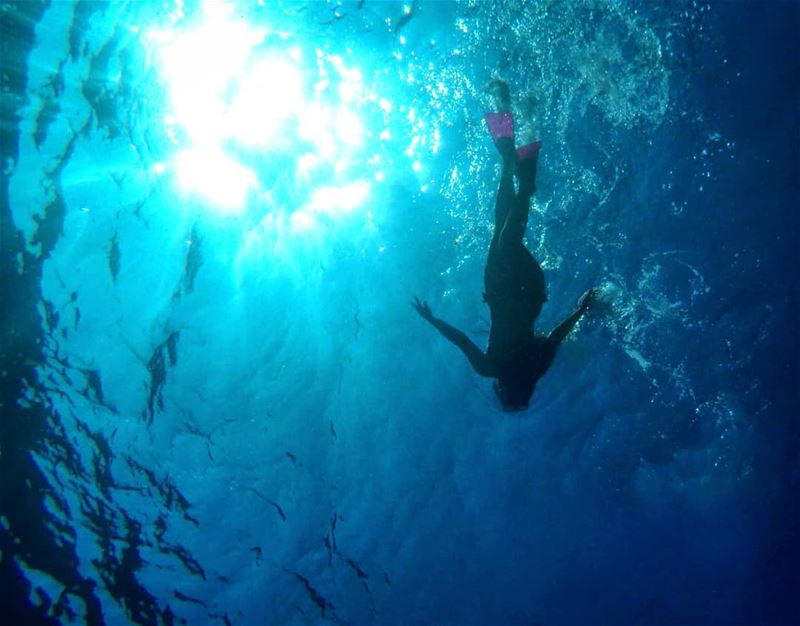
(513,396)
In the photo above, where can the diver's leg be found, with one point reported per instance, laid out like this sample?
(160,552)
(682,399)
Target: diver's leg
(505,191)
(527,158)
(513,230)
(516,220)
(496,264)
(501,128)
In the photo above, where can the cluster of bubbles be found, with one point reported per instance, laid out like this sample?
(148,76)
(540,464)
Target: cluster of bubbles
(587,69)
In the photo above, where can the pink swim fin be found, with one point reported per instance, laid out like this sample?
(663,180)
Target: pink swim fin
(500,125)
(527,157)
(529,152)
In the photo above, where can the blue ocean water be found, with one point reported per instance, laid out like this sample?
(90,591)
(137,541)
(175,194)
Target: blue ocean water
(218,406)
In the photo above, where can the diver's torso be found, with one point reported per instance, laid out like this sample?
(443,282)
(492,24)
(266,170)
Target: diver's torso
(515,289)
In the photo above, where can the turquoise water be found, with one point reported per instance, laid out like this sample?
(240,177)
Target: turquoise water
(218,405)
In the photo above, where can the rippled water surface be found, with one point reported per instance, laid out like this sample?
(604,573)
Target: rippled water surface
(218,406)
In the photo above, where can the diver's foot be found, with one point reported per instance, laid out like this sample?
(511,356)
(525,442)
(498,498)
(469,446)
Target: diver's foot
(499,90)
(501,128)
(527,159)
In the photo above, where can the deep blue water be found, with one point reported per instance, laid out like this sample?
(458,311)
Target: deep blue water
(218,406)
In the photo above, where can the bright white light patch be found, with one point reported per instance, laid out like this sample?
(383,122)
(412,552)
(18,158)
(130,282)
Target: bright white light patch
(315,126)
(199,66)
(268,94)
(213,174)
(300,220)
(349,128)
(332,200)
(242,105)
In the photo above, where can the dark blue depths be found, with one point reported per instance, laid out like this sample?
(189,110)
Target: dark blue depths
(654,480)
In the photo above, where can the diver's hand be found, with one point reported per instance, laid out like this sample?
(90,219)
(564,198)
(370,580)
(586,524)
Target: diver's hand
(421,307)
(586,300)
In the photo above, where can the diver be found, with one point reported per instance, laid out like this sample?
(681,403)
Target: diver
(514,282)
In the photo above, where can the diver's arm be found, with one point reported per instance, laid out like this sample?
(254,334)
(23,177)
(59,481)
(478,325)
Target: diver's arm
(559,333)
(478,360)
(476,357)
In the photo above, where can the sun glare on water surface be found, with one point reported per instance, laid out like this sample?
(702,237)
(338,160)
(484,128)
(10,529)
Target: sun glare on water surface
(254,115)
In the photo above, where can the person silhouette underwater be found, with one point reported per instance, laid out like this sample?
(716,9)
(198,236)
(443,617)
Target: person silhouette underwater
(516,356)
